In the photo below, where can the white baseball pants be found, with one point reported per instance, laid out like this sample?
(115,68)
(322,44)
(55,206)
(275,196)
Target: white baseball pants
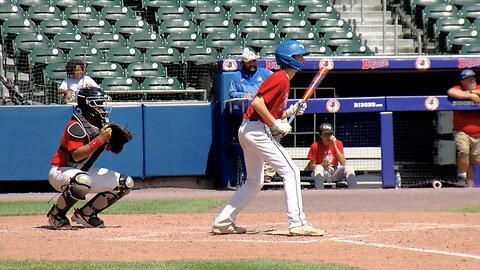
(259,146)
(102,179)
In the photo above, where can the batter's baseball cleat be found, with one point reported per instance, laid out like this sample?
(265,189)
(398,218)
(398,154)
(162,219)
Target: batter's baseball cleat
(88,221)
(306,230)
(228,229)
(58,222)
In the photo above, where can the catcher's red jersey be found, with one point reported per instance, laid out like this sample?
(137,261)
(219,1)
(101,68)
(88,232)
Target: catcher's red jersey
(274,91)
(67,143)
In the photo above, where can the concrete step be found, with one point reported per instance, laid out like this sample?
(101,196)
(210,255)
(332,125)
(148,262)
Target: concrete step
(379,35)
(378,28)
(370,14)
(389,42)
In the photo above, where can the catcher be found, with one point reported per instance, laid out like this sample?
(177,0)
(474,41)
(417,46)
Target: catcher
(86,136)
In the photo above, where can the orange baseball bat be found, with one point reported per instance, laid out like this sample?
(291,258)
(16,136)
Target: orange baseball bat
(322,72)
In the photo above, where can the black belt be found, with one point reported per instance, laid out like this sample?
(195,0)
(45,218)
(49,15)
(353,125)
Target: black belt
(253,120)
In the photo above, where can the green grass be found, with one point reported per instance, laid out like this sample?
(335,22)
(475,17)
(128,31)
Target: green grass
(260,264)
(25,208)
(469,209)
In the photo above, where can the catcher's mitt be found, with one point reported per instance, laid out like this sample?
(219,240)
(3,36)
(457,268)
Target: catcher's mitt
(120,136)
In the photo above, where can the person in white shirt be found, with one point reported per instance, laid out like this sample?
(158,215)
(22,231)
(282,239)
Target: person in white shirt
(76,80)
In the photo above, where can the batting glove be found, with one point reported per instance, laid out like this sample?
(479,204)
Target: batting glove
(280,127)
(293,108)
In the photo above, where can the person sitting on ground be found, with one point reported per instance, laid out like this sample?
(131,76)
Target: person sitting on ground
(327,160)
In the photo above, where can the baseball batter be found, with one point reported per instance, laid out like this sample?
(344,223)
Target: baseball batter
(263,117)
(72,173)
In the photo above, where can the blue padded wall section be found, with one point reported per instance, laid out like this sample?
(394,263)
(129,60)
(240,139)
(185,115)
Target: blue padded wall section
(29,135)
(130,160)
(178,139)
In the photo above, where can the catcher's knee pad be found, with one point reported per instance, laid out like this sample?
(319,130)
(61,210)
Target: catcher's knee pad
(125,182)
(80,185)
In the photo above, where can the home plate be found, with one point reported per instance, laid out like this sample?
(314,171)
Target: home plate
(277,232)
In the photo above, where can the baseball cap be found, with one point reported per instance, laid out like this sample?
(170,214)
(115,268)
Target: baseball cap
(466,73)
(248,56)
(326,128)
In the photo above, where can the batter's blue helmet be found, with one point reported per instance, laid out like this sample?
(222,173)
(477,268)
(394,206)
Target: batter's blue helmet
(285,51)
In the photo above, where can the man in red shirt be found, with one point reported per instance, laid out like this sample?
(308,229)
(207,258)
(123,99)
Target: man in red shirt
(466,127)
(327,160)
(72,173)
(264,117)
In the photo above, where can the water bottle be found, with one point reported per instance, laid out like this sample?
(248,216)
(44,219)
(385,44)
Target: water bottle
(398,180)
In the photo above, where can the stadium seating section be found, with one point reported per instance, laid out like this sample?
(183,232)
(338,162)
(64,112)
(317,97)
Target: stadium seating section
(175,33)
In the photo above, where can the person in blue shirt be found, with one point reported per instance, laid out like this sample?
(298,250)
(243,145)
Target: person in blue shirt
(246,81)
(245,84)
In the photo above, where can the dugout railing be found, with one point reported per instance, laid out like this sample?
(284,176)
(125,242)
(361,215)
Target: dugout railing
(386,108)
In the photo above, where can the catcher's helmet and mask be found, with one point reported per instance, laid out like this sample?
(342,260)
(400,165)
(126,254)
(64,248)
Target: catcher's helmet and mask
(92,103)
(285,51)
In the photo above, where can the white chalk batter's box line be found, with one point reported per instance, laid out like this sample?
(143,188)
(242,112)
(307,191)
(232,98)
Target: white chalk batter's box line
(349,239)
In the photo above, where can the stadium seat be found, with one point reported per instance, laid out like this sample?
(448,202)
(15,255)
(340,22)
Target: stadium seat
(294,25)
(39,58)
(215,25)
(106,41)
(220,40)
(268,51)
(257,40)
(446,25)
(470,49)
(53,27)
(128,27)
(276,13)
(94,26)
(177,26)
(192,4)
(151,7)
(172,13)
(26,4)
(245,12)
(233,52)
(302,4)
(119,84)
(228,4)
(460,3)
(331,25)
(169,57)
(63,4)
(336,39)
(267,3)
(201,13)
(123,55)
(44,12)
(163,55)
(145,41)
(459,38)
(87,54)
(255,25)
(17,26)
(471,11)
(161,83)
(306,38)
(100,71)
(11,11)
(142,70)
(67,41)
(317,51)
(54,74)
(419,5)
(99,4)
(201,54)
(432,13)
(356,49)
(77,14)
(23,44)
(320,12)
(180,41)
(115,13)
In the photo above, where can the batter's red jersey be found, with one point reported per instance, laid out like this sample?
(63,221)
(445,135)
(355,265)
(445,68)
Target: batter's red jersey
(467,121)
(320,152)
(68,143)
(274,91)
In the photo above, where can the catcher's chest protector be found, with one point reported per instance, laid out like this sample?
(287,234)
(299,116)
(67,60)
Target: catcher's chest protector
(83,129)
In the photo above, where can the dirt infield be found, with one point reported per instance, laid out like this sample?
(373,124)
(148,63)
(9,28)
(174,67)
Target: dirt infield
(372,229)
